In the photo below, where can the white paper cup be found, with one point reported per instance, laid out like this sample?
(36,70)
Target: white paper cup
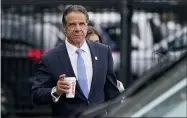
(72,82)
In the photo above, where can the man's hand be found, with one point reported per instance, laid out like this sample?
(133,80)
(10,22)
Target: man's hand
(62,86)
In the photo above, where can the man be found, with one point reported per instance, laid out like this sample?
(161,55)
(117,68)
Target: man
(91,63)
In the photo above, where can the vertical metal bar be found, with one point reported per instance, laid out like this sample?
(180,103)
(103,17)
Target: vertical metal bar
(4,69)
(42,30)
(32,25)
(125,48)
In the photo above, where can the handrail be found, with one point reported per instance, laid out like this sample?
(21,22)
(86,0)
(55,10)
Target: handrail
(153,74)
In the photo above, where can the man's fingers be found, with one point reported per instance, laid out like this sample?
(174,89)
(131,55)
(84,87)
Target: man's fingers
(61,90)
(63,83)
(64,87)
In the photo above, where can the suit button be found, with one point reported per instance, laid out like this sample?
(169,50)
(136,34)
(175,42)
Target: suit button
(88,102)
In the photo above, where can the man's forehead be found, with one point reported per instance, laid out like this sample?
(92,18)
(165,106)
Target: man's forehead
(76,21)
(76,15)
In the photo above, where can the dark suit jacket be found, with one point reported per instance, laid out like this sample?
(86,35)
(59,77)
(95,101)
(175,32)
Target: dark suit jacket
(57,62)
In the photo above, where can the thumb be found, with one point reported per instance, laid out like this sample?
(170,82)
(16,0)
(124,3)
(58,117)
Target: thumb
(61,77)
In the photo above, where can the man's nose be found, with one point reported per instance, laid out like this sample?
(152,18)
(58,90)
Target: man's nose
(77,28)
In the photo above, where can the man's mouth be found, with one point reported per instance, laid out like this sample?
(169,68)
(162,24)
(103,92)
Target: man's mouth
(76,36)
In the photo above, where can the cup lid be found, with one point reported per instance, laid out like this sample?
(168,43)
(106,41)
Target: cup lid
(69,78)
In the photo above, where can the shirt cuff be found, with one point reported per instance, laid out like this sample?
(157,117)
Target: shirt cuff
(55,98)
(121,87)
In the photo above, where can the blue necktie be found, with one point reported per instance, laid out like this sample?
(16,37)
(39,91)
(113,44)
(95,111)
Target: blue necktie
(81,73)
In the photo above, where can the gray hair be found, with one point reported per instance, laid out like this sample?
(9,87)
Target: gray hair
(73,8)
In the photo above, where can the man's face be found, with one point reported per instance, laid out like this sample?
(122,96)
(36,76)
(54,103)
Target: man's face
(76,27)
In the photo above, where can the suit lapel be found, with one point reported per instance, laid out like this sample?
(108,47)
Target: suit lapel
(94,56)
(65,60)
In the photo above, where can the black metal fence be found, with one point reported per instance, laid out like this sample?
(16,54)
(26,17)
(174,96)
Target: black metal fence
(151,30)
(139,33)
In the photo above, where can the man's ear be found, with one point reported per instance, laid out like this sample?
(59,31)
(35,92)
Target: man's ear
(64,29)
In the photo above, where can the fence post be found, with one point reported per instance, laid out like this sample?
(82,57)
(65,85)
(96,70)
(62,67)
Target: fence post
(125,43)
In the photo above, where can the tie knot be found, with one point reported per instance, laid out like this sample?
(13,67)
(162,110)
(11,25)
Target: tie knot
(79,51)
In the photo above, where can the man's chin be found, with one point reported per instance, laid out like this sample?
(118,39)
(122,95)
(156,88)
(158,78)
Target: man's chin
(78,40)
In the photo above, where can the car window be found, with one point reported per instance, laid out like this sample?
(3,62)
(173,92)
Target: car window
(179,43)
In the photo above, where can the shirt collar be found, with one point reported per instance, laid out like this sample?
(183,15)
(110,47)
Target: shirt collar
(73,49)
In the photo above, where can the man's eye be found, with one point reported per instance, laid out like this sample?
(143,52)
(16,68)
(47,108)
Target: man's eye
(82,24)
(72,24)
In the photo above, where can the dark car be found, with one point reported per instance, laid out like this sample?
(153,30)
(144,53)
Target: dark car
(144,59)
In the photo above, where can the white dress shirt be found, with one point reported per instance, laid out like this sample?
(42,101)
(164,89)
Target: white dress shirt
(86,55)
(121,87)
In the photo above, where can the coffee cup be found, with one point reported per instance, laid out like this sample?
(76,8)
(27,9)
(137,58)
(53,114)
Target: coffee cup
(72,83)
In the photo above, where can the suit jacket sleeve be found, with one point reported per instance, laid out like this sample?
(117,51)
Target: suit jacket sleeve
(42,85)
(111,90)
